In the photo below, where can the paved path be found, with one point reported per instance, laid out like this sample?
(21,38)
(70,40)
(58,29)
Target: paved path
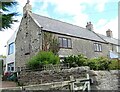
(8,84)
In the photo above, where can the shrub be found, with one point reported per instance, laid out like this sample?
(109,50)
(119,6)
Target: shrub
(92,63)
(78,60)
(100,63)
(114,65)
(41,59)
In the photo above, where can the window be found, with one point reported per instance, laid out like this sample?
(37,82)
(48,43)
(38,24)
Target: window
(11,67)
(65,42)
(97,47)
(11,49)
(118,48)
(69,43)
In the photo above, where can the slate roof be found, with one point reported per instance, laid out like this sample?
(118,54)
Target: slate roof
(57,26)
(110,39)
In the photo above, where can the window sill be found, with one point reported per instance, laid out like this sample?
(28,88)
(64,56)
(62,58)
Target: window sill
(64,48)
(97,51)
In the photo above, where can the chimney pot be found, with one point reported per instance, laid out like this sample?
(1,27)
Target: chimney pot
(89,26)
(109,33)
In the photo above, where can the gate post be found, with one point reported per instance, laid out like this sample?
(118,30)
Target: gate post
(71,84)
(88,83)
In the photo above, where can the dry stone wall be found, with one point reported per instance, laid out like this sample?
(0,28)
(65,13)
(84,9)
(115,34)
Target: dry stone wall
(102,80)
(39,77)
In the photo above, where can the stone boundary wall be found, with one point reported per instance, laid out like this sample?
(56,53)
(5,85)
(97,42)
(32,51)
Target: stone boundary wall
(102,80)
(39,77)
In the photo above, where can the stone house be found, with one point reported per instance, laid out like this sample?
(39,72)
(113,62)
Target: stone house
(72,39)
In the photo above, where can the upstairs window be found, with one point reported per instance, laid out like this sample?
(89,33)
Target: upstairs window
(97,47)
(65,42)
(11,49)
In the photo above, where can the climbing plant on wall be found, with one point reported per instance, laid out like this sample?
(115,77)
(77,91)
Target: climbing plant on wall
(50,43)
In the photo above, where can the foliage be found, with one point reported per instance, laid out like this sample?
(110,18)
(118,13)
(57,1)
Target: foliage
(2,56)
(79,60)
(54,46)
(50,43)
(92,63)
(6,16)
(115,64)
(41,59)
(1,65)
(99,63)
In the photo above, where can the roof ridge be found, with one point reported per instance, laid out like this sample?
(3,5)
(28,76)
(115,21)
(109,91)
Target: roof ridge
(108,37)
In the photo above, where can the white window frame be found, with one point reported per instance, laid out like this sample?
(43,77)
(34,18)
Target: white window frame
(97,47)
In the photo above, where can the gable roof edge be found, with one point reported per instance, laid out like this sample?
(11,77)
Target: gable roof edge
(35,20)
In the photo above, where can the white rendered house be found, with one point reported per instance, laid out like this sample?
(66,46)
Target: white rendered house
(10,59)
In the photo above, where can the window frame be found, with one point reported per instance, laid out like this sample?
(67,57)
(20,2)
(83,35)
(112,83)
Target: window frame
(9,48)
(10,67)
(97,47)
(67,39)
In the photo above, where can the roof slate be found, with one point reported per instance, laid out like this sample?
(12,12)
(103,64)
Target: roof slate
(57,26)
(65,28)
(110,39)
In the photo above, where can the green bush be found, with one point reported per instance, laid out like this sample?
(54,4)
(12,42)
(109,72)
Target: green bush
(73,61)
(100,63)
(92,63)
(41,59)
(114,65)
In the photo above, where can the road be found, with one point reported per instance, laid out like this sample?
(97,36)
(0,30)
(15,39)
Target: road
(5,84)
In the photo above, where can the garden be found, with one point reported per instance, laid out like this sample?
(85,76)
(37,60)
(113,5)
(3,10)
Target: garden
(47,57)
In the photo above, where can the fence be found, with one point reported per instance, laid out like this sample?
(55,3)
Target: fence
(56,67)
(48,67)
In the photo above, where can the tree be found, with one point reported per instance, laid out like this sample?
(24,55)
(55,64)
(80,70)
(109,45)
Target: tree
(6,16)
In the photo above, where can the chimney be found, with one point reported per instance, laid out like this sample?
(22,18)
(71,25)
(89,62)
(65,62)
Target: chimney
(27,8)
(89,26)
(109,33)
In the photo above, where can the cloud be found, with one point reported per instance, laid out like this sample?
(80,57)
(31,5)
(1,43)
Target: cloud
(81,20)
(101,22)
(76,9)
(111,24)
(73,7)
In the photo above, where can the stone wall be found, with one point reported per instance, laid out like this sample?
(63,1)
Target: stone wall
(102,80)
(39,77)
(28,41)
(84,46)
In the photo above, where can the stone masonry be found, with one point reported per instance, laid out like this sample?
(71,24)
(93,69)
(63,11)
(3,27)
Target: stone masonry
(102,80)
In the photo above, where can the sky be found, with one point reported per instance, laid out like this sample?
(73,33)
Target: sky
(103,14)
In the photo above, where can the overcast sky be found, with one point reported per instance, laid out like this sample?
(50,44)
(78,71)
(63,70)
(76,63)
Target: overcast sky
(102,13)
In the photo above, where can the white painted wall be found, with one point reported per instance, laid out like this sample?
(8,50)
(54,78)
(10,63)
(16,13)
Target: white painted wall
(11,58)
